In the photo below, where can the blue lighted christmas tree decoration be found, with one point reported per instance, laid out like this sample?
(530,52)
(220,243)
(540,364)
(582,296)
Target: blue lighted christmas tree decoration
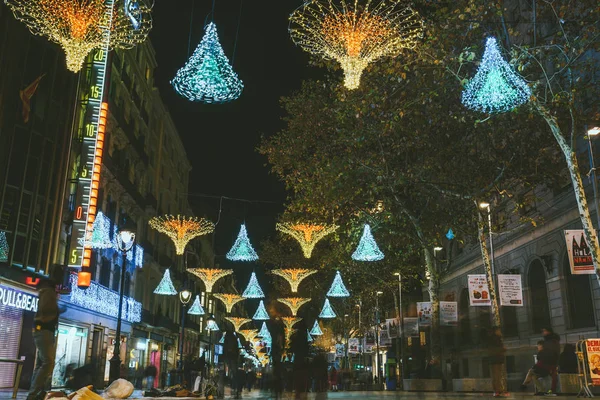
(4,249)
(100,238)
(316,329)
(165,287)
(208,76)
(496,87)
(196,308)
(308,337)
(338,289)
(367,249)
(253,290)
(242,249)
(264,331)
(222,340)
(261,312)
(450,235)
(327,311)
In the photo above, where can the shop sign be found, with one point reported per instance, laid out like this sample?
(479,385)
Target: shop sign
(353,345)
(424,313)
(592,347)
(448,313)
(511,292)
(580,257)
(16,299)
(479,292)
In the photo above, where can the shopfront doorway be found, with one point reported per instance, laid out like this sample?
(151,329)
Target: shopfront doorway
(71,346)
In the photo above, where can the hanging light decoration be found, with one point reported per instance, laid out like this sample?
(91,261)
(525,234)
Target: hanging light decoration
(308,337)
(80,26)
(207,76)
(294,276)
(354,34)
(253,290)
(99,236)
(496,87)
(242,249)
(450,234)
(316,329)
(4,248)
(165,286)
(327,311)
(211,324)
(209,276)
(196,308)
(261,313)
(338,289)
(367,249)
(229,299)
(181,229)
(294,303)
(308,235)
(237,322)
(289,322)
(248,334)
(264,331)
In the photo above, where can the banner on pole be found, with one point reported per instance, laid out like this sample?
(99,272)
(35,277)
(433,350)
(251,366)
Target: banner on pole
(411,326)
(479,292)
(340,349)
(580,257)
(370,338)
(424,313)
(393,327)
(353,345)
(592,347)
(510,290)
(384,338)
(448,313)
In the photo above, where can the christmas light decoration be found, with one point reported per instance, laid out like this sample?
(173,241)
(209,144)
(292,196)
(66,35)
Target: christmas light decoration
(253,290)
(338,289)
(261,312)
(222,340)
(264,331)
(209,276)
(4,249)
(496,87)
(289,322)
(82,26)
(294,303)
(100,234)
(242,249)
(355,35)
(450,235)
(308,337)
(316,329)
(207,76)
(181,229)
(327,311)
(105,301)
(294,276)
(165,286)
(367,249)
(139,256)
(288,332)
(196,308)
(229,299)
(211,325)
(237,322)
(248,334)
(308,235)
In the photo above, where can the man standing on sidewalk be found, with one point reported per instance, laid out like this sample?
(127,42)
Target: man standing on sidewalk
(44,331)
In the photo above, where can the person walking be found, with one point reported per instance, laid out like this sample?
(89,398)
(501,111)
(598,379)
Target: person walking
(497,353)
(552,345)
(44,330)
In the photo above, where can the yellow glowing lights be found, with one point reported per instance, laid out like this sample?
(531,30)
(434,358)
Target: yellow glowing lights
(210,276)
(248,334)
(354,34)
(229,299)
(294,276)
(294,303)
(289,322)
(237,322)
(308,235)
(80,26)
(181,229)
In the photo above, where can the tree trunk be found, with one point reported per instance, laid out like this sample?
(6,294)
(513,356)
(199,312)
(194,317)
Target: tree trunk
(573,166)
(434,297)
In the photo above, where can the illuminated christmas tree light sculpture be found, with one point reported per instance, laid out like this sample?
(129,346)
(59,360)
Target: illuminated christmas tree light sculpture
(99,237)
(294,276)
(211,325)
(367,249)
(207,76)
(308,235)
(354,34)
(264,331)
(496,87)
(327,311)
(253,290)
(209,276)
(79,26)
(165,286)
(261,313)
(237,322)
(450,234)
(181,229)
(242,249)
(196,308)
(229,299)
(338,289)
(316,329)
(294,303)
(4,249)
(222,340)
(308,337)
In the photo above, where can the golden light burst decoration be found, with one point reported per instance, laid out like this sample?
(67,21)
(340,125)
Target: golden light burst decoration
(289,322)
(355,33)
(248,334)
(209,276)
(237,322)
(81,26)
(308,235)
(294,276)
(229,299)
(294,303)
(181,229)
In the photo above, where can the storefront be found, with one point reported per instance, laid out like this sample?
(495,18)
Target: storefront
(71,348)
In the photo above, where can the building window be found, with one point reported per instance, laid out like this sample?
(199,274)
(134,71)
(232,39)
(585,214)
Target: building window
(510,323)
(463,317)
(579,298)
(540,310)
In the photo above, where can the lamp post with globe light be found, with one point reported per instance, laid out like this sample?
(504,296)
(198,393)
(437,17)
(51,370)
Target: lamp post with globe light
(184,297)
(211,325)
(125,241)
(594,131)
(377,358)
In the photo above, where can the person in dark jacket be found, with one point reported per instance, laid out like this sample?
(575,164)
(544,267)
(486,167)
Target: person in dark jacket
(552,345)
(567,362)
(539,370)
(44,329)
(497,358)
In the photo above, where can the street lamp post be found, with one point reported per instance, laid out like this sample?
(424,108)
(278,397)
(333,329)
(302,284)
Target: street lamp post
(593,132)
(125,241)
(211,325)
(184,297)
(401,338)
(377,361)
